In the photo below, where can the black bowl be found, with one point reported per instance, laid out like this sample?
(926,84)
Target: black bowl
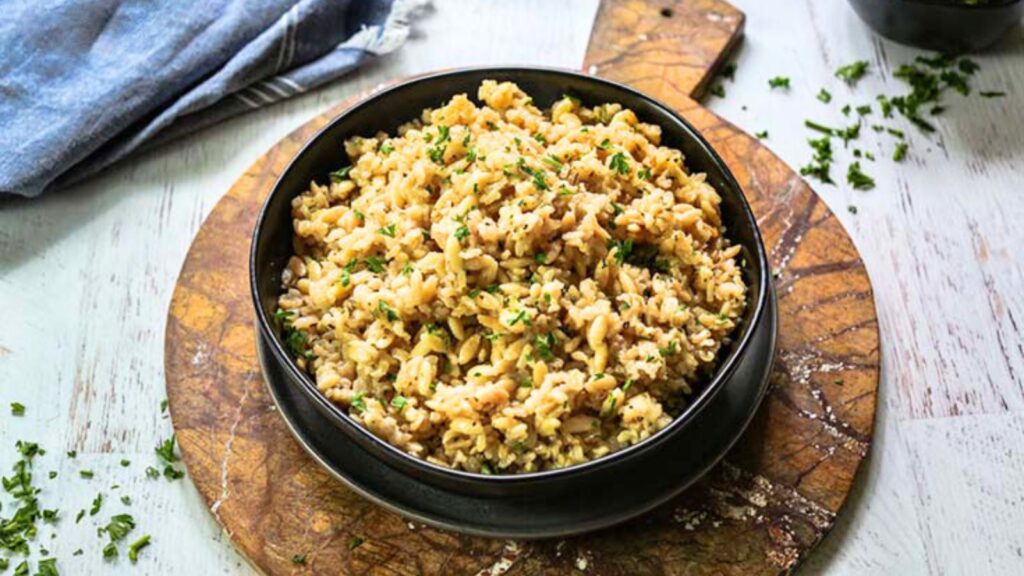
(386,110)
(948,26)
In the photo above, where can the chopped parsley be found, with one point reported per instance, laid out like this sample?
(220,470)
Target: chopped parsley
(821,164)
(853,72)
(779,82)
(619,163)
(900,152)
(375,264)
(717,90)
(851,209)
(553,162)
(299,559)
(87,474)
(407,269)
(17,409)
(399,402)
(134,547)
(355,542)
(358,403)
(540,258)
(605,144)
(644,173)
(388,311)
(386,148)
(824,96)
(97,503)
(165,450)
(339,175)
(858,179)
(544,345)
(762,135)
(992,94)
(521,316)
(388,230)
(461,233)
(672,348)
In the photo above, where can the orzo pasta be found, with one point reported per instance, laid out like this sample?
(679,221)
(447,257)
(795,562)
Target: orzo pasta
(501,288)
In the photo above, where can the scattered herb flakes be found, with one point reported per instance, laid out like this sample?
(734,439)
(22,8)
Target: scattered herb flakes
(718,91)
(386,148)
(163,403)
(545,345)
(52,474)
(864,110)
(779,82)
(992,94)
(375,264)
(87,474)
(852,72)
(358,403)
(387,311)
(134,547)
(540,258)
(21,569)
(355,542)
(858,179)
(97,503)
(118,527)
(729,71)
(846,110)
(388,230)
(79,516)
(17,409)
(900,152)
(152,473)
(172,473)
(165,450)
(299,559)
(520,316)
(762,135)
(461,233)
(619,163)
(851,209)
(820,127)
(110,551)
(821,164)
(72,453)
(605,144)
(399,402)
(339,175)
(553,162)
(126,500)
(824,96)
(126,463)
(47,567)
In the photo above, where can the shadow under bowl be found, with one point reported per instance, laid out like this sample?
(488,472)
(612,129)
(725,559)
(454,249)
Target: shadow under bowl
(385,111)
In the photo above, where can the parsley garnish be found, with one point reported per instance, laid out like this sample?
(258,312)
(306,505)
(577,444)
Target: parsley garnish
(399,402)
(717,90)
(299,559)
(388,311)
(824,96)
(820,165)
(134,547)
(605,144)
(388,230)
(553,162)
(779,82)
(87,474)
(375,264)
(544,344)
(386,148)
(17,409)
(900,152)
(358,403)
(540,258)
(619,163)
(851,73)
(992,94)
(762,135)
(461,233)
(859,179)
(520,316)
(339,175)
(354,542)
(165,450)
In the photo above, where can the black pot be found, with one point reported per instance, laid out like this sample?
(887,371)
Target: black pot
(386,110)
(948,26)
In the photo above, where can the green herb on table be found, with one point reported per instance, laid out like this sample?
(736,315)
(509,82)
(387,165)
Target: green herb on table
(851,209)
(762,135)
(729,71)
(717,90)
(47,567)
(779,82)
(118,527)
(165,450)
(134,547)
(110,551)
(852,72)
(821,164)
(991,94)
(87,474)
(152,473)
(125,462)
(900,152)
(17,409)
(172,473)
(824,96)
(858,179)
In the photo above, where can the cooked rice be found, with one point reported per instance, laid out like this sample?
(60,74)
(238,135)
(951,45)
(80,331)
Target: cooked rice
(504,289)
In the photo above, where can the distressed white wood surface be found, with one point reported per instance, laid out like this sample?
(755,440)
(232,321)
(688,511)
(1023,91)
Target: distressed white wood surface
(86,275)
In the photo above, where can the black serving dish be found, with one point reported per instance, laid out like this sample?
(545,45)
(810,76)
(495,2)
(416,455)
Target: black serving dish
(592,504)
(386,110)
(948,26)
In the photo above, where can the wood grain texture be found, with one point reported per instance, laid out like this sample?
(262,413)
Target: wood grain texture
(771,501)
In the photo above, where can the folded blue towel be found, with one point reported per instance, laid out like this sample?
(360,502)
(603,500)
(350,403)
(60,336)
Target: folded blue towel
(85,82)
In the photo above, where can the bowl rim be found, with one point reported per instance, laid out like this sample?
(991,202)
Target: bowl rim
(696,405)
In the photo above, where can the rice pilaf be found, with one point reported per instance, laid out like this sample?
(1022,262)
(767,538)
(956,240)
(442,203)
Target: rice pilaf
(501,289)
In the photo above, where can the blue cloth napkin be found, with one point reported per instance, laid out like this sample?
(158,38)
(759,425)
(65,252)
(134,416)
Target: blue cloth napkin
(83,83)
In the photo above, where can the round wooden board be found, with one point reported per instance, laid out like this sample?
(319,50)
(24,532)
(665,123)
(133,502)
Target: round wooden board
(771,500)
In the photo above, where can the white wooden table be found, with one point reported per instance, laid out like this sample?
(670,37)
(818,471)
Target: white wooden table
(86,275)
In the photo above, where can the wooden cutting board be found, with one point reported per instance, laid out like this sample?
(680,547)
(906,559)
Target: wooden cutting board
(772,499)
